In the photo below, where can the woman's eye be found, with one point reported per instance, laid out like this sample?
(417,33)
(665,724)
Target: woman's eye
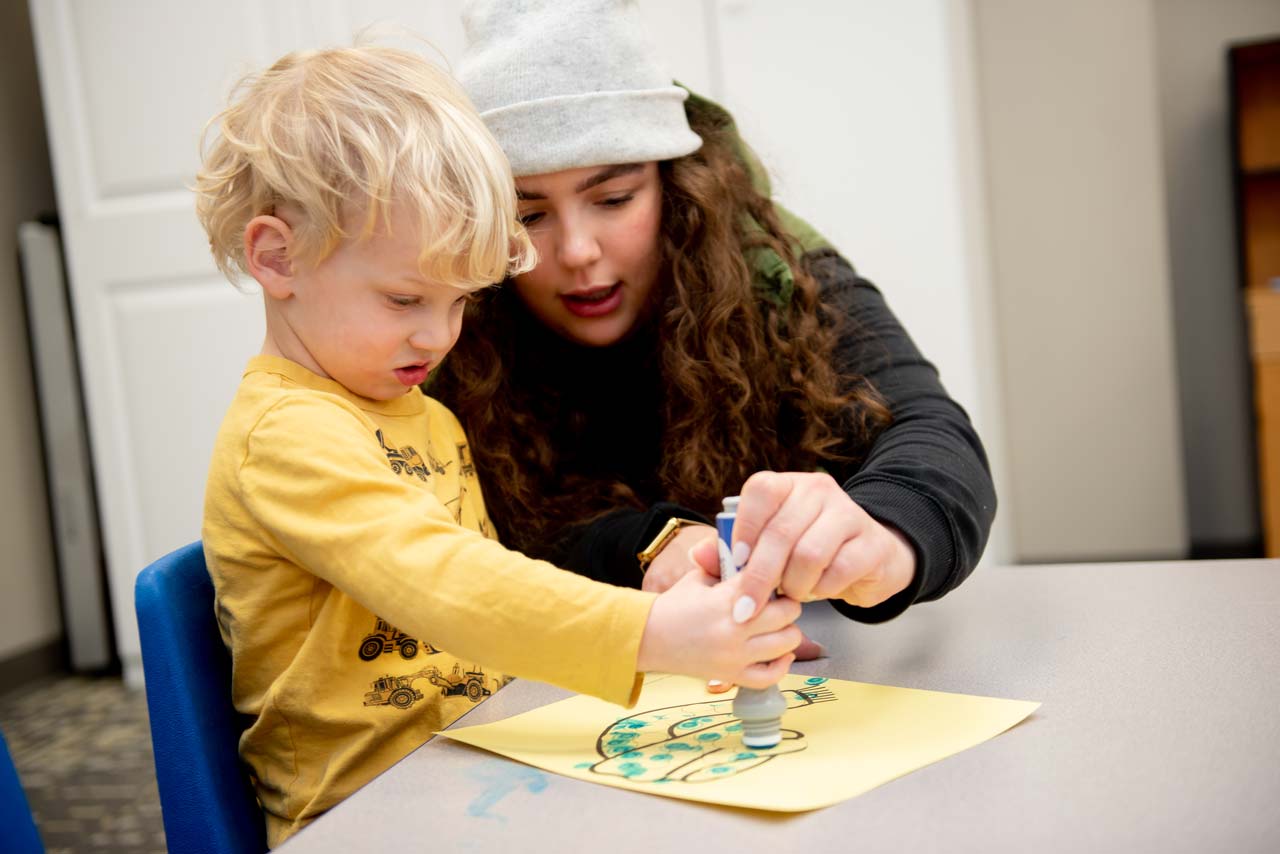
(617,201)
(402,302)
(530,218)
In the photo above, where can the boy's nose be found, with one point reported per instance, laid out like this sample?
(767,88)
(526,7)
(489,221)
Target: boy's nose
(434,337)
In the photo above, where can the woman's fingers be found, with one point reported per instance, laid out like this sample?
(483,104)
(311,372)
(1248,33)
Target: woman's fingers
(763,495)
(706,555)
(809,649)
(817,547)
(858,562)
(869,569)
(679,558)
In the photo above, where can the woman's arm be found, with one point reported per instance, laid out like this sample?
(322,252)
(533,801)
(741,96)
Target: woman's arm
(606,548)
(926,475)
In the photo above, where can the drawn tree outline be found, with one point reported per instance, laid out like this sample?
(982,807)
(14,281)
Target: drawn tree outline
(694,742)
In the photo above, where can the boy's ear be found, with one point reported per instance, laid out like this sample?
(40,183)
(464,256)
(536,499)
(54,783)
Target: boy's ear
(267,242)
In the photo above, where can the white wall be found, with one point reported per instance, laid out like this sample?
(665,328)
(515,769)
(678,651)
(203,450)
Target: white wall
(864,112)
(808,82)
(1213,373)
(29,614)
(1080,261)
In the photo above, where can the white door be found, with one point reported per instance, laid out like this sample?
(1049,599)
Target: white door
(162,338)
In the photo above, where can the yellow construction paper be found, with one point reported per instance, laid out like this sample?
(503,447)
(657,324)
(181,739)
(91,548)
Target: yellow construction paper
(840,739)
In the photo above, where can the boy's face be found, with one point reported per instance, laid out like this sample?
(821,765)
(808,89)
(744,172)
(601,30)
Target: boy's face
(366,318)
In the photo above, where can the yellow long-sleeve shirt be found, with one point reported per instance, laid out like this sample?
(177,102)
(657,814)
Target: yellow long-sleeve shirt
(361,595)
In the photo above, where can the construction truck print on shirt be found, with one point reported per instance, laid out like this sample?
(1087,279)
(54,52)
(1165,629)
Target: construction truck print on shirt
(341,537)
(400,692)
(387,638)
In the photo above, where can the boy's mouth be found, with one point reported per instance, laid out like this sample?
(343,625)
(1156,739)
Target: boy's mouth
(412,375)
(593,301)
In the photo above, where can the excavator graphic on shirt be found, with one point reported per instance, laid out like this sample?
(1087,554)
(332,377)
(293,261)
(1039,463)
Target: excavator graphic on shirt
(408,461)
(386,638)
(400,693)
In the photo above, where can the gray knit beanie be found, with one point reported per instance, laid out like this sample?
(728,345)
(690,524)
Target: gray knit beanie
(570,83)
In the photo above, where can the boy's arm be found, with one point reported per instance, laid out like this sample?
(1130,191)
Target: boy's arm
(316,479)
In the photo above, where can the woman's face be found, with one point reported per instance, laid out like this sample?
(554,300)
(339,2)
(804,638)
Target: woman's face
(596,232)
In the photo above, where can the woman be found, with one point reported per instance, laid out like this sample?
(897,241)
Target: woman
(683,339)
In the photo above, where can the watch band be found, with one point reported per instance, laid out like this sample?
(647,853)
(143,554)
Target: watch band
(668,532)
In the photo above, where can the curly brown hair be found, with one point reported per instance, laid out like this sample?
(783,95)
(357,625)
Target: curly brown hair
(747,380)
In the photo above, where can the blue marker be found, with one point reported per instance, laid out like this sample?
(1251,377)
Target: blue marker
(759,709)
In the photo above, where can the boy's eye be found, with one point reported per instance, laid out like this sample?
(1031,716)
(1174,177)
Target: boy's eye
(402,301)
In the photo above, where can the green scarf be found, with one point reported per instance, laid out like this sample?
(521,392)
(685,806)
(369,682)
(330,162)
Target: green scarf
(773,277)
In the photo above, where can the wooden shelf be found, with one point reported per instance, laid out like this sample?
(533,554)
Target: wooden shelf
(1255,113)
(1257,96)
(1260,228)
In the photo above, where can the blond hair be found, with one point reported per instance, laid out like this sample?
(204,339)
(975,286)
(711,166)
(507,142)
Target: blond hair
(347,134)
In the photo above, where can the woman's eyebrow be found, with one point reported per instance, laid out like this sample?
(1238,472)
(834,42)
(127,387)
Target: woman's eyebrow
(606,174)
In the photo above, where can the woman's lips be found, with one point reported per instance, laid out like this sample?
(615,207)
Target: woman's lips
(413,374)
(593,302)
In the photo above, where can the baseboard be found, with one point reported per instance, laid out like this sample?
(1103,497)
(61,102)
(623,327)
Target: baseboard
(1224,550)
(45,660)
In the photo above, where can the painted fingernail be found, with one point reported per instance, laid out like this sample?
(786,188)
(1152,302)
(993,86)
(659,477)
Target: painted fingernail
(741,551)
(743,609)
(822,650)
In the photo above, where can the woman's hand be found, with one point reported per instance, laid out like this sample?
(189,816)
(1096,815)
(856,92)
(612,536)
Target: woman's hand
(801,533)
(674,561)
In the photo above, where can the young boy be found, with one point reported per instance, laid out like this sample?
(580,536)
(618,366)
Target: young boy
(364,603)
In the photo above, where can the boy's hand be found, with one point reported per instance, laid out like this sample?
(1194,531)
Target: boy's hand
(691,631)
(694,549)
(706,556)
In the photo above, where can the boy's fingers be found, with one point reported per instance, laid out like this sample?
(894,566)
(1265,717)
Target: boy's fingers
(770,646)
(776,614)
(766,673)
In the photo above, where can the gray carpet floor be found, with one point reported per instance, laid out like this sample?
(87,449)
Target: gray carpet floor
(83,752)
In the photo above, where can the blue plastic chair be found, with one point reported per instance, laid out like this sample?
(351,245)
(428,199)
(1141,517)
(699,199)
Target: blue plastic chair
(206,799)
(20,834)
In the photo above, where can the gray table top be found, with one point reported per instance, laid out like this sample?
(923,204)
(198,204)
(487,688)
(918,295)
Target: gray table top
(1159,731)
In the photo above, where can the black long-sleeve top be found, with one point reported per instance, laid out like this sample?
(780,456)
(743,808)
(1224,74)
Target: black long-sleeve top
(926,474)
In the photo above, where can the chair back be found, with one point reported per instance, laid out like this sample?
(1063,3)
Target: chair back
(20,834)
(206,799)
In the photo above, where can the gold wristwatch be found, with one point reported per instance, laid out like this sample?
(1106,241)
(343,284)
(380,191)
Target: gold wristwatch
(665,536)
